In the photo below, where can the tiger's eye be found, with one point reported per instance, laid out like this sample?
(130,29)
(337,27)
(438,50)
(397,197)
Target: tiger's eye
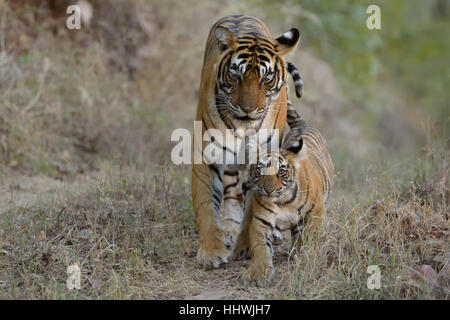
(234,74)
(268,77)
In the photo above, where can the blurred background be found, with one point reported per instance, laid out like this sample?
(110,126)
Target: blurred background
(123,82)
(91,111)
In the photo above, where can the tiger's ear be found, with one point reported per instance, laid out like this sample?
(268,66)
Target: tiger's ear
(298,148)
(225,38)
(287,42)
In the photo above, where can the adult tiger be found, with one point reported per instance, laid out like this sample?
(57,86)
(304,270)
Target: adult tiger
(290,188)
(242,88)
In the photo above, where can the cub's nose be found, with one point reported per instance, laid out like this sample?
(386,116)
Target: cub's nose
(269,190)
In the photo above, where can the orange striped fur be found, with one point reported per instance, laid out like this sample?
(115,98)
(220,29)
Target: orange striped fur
(242,87)
(290,196)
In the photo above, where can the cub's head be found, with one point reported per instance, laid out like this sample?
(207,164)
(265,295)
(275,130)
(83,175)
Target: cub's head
(274,172)
(250,72)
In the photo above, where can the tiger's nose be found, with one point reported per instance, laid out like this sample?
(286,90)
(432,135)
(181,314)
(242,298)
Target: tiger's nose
(248,109)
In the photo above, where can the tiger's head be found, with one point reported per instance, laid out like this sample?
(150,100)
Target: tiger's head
(251,72)
(275,171)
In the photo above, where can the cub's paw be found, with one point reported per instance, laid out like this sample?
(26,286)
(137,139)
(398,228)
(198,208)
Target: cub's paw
(214,250)
(257,275)
(241,251)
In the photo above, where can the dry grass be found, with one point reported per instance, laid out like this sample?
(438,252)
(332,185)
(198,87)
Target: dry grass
(85,178)
(132,233)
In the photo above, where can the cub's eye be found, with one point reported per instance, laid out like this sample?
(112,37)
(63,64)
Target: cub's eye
(282,170)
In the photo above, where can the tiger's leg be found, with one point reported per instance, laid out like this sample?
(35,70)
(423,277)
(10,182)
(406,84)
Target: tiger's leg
(232,208)
(242,247)
(207,189)
(261,267)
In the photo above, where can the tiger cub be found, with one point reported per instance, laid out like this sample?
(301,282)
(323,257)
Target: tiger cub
(289,189)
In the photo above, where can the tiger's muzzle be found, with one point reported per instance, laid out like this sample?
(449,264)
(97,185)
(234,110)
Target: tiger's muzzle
(248,112)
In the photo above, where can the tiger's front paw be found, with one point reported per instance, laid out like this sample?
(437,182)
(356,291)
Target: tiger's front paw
(258,274)
(214,250)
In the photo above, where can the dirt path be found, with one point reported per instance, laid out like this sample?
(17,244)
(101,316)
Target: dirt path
(24,190)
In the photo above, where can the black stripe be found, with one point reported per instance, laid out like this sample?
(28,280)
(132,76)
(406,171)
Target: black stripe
(242,55)
(217,172)
(264,206)
(252,37)
(267,223)
(297,77)
(311,209)
(312,206)
(230,186)
(217,193)
(268,139)
(263,58)
(231,173)
(291,199)
(232,197)
(232,220)
(224,148)
(216,198)
(291,67)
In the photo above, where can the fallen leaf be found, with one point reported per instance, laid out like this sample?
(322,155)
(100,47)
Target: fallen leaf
(42,236)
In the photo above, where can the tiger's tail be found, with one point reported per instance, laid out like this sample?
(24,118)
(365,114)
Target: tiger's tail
(294,120)
(296,76)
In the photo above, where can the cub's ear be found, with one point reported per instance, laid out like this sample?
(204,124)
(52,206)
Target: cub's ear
(298,148)
(287,42)
(225,38)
